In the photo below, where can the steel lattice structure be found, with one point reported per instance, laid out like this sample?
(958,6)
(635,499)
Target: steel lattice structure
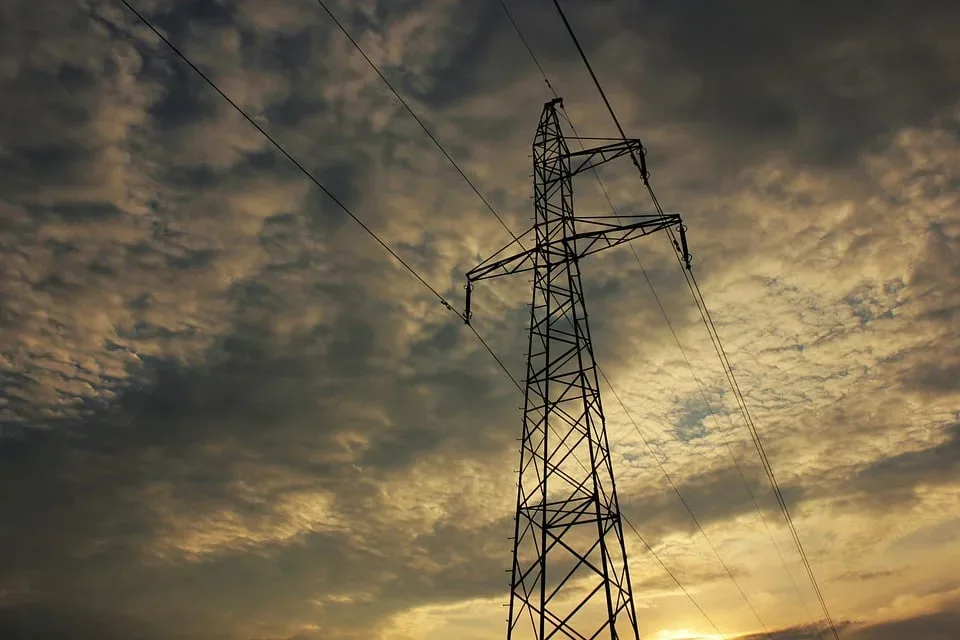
(570,577)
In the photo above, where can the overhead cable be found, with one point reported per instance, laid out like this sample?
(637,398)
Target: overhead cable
(492,210)
(663,312)
(356,219)
(413,113)
(289,157)
(711,327)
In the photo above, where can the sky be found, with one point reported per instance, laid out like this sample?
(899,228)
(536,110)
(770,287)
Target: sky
(227,414)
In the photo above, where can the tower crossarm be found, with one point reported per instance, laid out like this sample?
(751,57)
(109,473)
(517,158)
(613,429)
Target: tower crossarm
(602,232)
(588,159)
(500,265)
(610,231)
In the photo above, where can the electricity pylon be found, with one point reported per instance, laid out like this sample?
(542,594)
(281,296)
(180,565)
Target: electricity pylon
(570,577)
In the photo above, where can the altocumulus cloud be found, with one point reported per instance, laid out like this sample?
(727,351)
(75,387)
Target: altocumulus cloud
(226,414)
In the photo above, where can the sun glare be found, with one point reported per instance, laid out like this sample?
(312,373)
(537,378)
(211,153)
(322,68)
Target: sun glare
(684,634)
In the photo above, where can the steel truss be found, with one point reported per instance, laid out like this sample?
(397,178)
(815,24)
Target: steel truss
(570,577)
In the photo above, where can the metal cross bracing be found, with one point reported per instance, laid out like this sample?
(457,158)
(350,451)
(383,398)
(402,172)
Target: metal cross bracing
(569,577)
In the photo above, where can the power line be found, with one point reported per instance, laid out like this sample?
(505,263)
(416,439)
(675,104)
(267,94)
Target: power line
(586,61)
(342,206)
(639,162)
(326,191)
(289,157)
(673,577)
(494,355)
(650,548)
(711,327)
(723,435)
(663,312)
(413,113)
(493,211)
(686,505)
(315,181)
(761,450)
(526,45)
(623,516)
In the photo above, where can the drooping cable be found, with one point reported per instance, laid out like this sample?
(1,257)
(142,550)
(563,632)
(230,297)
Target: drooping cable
(493,211)
(674,578)
(623,516)
(725,439)
(761,450)
(346,210)
(663,312)
(526,45)
(650,549)
(586,62)
(688,508)
(289,157)
(413,113)
(707,318)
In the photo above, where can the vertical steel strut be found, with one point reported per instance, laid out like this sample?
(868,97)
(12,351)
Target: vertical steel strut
(570,577)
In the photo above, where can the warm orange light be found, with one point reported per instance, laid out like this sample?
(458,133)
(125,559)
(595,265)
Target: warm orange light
(684,634)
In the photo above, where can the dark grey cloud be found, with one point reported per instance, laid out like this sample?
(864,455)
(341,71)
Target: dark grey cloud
(818,80)
(857,576)
(715,496)
(801,632)
(222,401)
(942,625)
(77,498)
(897,477)
(80,524)
(815,80)
(39,623)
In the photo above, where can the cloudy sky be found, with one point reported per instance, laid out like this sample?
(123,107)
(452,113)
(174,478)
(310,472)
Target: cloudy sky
(226,413)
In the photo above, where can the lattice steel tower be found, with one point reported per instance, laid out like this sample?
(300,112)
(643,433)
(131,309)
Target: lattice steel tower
(570,577)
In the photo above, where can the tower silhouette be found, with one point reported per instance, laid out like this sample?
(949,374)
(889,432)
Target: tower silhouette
(570,577)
